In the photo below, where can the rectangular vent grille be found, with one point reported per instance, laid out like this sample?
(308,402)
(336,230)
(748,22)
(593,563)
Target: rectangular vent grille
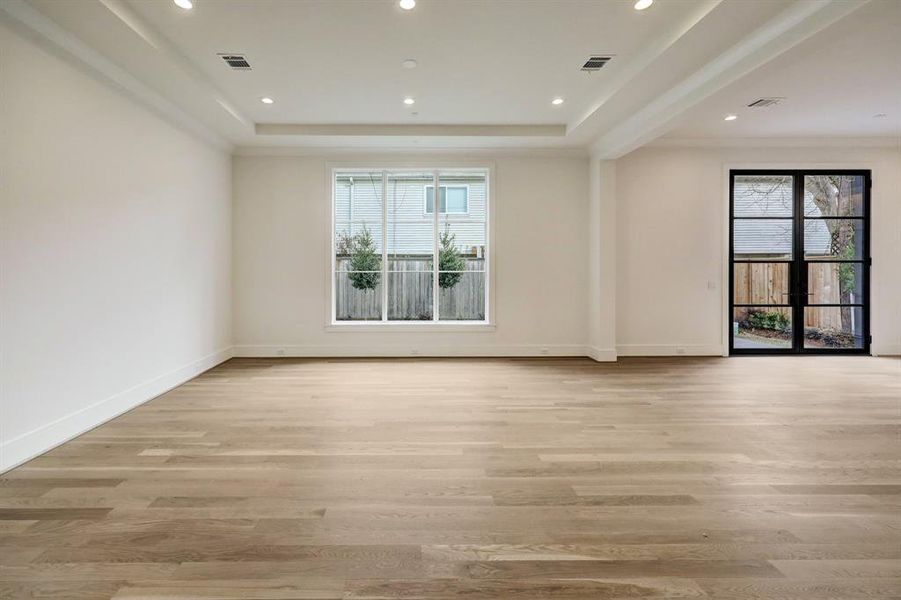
(765,102)
(595,62)
(236,61)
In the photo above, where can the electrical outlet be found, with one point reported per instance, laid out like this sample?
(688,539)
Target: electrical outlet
(680,350)
(414,352)
(545,351)
(280,351)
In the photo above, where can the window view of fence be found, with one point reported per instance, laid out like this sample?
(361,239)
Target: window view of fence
(395,259)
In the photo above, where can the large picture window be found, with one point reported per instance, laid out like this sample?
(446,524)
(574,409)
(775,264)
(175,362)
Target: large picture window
(396,260)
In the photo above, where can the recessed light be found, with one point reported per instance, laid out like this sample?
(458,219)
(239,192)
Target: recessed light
(407,4)
(730,117)
(409,64)
(643,4)
(409,101)
(267,100)
(557,101)
(185,4)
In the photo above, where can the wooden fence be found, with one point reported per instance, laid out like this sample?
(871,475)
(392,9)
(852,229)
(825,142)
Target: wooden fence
(767,283)
(410,293)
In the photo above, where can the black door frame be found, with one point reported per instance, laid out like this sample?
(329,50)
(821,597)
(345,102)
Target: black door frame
(797,266)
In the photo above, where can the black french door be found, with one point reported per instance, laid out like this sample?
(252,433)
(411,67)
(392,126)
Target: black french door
(799,275)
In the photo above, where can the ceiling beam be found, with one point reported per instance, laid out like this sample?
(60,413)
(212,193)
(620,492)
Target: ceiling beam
(633,67)
(779,142)
(167,49)
(411,130)
(789,28)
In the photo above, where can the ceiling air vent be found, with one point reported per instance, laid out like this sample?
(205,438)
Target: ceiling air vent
(595,62)
(766,102)
(236,61)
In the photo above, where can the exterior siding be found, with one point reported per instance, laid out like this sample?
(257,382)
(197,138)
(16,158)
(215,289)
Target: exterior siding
(768,237)
(358,205)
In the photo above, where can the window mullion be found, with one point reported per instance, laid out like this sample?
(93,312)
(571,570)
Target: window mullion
(384,245)
(333,259)
(436,211)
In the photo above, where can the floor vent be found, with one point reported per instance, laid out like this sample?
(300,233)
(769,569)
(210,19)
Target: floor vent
(595,63)
(236,61)
(766,102)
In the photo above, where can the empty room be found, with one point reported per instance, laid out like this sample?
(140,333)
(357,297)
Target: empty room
(445,299)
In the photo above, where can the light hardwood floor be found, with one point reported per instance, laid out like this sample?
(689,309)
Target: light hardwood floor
(457,478)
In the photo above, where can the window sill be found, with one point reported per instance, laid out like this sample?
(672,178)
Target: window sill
(431,326)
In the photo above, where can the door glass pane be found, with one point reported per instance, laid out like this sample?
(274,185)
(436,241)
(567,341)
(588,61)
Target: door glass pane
(835,283)
(761,283)
(835,327)
(358,246)
(762,239)
(833,195)
(830,239)
(410,247)
(763,196)
(463,246)
(762,327)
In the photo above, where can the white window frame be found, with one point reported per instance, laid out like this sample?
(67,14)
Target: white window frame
(435,324)
(425,199)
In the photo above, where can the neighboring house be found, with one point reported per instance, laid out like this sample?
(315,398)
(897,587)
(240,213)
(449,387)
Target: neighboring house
(762,239)
(410,205)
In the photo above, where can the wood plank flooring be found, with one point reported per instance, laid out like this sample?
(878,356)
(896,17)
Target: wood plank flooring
(756,477)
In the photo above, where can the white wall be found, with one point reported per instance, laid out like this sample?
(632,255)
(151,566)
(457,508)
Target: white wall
(115,230)
(281,259)
(671,229)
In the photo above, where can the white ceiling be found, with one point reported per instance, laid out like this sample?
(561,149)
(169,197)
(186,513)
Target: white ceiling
(834,83)
(496,62)
(678,66)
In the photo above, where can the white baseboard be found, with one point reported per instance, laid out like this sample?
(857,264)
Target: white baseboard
(669,350)
(886,349)
(601,354)
(37,441)
(406,350)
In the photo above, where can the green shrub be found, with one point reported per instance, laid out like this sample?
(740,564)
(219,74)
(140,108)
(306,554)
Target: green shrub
(768,320)
(449,259)
(363,258)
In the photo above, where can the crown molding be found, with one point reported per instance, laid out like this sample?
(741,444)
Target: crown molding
(419,151)
(452,130)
